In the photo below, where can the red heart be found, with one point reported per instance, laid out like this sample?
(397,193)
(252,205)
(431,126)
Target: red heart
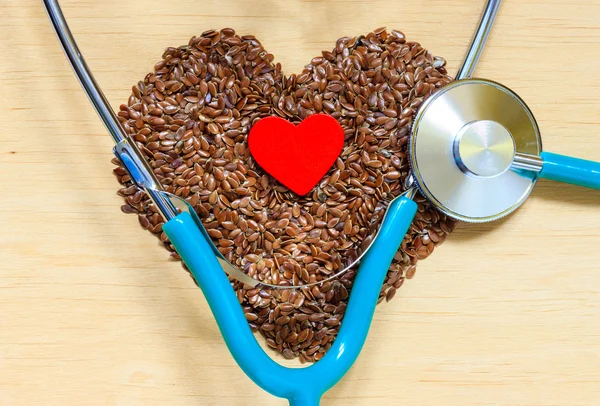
(297,156)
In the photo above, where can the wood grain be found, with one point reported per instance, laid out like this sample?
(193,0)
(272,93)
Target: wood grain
(93,313)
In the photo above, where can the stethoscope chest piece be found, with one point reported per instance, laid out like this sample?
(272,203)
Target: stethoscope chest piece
(466,145)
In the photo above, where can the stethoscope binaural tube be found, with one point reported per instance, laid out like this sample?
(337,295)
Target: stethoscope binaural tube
(301,386)
(126,151)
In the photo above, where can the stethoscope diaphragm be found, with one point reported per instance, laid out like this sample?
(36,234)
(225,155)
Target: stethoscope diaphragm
(466,149)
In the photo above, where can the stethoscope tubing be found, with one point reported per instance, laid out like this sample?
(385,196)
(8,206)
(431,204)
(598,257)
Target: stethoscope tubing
(102,106)
(301,386)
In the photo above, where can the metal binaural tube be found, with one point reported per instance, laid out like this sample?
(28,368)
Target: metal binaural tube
(82,71)
(481,35)
(137,166)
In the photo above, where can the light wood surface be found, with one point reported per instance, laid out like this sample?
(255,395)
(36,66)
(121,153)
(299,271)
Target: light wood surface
(92,312)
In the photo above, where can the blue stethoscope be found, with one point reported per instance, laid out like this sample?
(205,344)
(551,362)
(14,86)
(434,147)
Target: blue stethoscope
(478,165)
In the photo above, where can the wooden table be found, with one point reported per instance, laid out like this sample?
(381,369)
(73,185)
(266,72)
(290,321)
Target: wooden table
(93,313)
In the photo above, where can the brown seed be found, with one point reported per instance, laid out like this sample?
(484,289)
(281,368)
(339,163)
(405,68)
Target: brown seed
(282,320)
(251,316)
(213,128)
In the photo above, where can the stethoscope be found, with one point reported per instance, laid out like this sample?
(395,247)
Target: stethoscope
(475,154)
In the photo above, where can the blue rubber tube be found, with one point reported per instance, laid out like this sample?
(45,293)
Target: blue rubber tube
(567,169)
(301,386)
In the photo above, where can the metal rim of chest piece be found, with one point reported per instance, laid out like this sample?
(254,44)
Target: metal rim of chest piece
(463,147)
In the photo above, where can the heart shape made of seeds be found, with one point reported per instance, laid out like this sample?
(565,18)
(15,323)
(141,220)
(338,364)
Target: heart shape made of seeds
(191,117)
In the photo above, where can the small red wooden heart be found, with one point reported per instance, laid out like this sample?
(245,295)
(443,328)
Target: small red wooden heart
(297,156)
